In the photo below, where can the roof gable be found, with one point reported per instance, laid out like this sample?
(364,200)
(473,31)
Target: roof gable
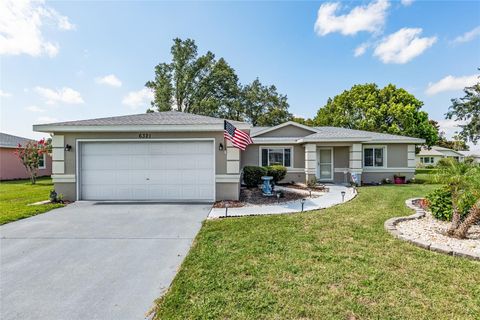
(286,129)
(11,141)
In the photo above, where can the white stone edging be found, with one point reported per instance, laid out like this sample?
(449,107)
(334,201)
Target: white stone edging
(391,226)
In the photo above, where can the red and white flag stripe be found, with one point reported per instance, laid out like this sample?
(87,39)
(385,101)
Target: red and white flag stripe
(238,138)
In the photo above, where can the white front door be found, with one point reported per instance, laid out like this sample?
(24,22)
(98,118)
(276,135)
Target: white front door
(154,170)
(325,164)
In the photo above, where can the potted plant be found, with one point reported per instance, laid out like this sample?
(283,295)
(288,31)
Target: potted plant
(399,179)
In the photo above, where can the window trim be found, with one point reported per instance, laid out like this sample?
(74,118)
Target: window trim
(44,162)
(374,146)
(276,147)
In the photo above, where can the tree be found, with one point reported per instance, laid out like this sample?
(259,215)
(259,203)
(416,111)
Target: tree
(467,109)
(30,154)
(388,110)
(194,84)
(463,182)
(263,105)
(306,122)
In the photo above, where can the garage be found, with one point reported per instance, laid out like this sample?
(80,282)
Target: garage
(164,170)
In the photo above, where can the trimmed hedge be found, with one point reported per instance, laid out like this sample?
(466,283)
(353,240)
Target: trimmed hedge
(252,175)
(277,172)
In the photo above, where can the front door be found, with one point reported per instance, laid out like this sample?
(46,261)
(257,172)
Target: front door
(325,164)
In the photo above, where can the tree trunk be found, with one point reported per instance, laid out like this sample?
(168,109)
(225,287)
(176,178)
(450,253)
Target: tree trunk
(473,217)
(455,221)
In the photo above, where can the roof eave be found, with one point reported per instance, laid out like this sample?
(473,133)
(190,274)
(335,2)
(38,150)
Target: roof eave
(133,128)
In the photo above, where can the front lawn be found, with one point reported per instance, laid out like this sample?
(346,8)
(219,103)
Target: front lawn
(337,263)
(15,195)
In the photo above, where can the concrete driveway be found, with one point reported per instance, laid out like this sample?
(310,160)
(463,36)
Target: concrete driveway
(94,260)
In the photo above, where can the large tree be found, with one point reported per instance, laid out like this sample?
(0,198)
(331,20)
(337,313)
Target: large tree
(195,84)
(204,85)
(389,110)
(467,109)
(263,105)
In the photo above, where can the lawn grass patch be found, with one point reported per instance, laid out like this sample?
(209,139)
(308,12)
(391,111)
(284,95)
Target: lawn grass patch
(329,264)
(16,195)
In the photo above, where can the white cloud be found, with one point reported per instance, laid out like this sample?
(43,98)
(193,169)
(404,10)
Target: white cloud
(21,26)
(46,120)
(361,49)
(140,98)
(34,109)
(5,94)
(403,45)
(449,126)
(64,95)
(406,3)
(451,83)
(370,18)
(110,80)
(468,36)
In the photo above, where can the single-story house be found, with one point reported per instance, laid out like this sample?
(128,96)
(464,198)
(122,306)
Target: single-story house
(175,156)
(431,156)
(475,155)
(11,168)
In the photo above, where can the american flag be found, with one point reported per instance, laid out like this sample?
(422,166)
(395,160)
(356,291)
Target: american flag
(238,138)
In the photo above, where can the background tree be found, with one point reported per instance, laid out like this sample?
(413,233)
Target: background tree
(204,85)
(306,122)
(30,155)
(388,110)
(263,105)
(467,109)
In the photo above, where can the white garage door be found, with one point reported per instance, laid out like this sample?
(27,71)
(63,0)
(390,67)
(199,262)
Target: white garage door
(164,171)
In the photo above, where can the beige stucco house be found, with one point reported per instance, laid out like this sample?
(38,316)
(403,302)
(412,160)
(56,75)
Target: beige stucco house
(175,156)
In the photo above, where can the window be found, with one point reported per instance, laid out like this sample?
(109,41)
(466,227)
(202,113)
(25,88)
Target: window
(373,157)
(42,162)
(427,160)
(276,156)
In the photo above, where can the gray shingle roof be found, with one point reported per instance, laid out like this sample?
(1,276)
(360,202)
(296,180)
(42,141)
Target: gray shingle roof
(343,133)
(10,141)
(154,118)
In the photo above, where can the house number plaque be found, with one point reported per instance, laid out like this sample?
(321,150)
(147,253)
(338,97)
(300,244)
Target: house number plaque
(144,135)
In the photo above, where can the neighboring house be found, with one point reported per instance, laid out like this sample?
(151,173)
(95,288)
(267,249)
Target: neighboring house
(11,167)
(175,156)
(475,155)
(431,156)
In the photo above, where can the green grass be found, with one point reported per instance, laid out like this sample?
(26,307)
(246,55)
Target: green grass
(337,263)
(15,195)
(427,171)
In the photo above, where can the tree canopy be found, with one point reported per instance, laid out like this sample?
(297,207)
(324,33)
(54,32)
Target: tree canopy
(203,85)
(467,109)
(388,110)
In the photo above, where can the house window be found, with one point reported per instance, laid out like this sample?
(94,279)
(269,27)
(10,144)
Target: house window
(373,157)
(427,160)
(42,162)
(276,156)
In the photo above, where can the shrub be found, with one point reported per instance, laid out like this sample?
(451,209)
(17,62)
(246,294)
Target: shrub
(277,172)
(252,175)
(440,204)
(444,162)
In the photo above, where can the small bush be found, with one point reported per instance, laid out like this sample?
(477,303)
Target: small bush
(440,204)
(444,162)
(277,172)
(252,175)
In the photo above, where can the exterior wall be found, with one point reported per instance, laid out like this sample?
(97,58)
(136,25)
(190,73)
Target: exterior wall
(287,131)
(11,167)
(377,177)
(435,160)
(64,170)
(397,156)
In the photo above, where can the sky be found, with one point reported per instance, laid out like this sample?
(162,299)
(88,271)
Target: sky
(71,60)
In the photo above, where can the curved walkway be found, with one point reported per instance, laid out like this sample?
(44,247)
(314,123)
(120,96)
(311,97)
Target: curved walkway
(326,200)
(437,246)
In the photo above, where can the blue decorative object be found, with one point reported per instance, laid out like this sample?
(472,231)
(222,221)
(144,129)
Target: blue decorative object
(267,187)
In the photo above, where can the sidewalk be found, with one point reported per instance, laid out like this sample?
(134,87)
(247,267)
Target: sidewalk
(329,199)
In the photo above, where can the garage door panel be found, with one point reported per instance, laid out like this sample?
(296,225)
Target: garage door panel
(180,170)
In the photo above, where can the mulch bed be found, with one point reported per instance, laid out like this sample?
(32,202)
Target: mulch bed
(255,196)
(302,187)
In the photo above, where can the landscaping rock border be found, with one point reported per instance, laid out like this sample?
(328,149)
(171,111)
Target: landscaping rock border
(391,226)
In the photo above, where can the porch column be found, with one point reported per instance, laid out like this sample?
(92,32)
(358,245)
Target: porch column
(355,159)
(411,156)
(310,161)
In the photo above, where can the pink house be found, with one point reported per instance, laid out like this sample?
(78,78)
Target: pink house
(11,167)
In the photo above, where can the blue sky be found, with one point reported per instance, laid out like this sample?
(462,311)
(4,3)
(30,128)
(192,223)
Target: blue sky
(74,60)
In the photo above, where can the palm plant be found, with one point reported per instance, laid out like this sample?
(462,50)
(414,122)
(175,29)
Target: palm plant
(455,176)
(472,191)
